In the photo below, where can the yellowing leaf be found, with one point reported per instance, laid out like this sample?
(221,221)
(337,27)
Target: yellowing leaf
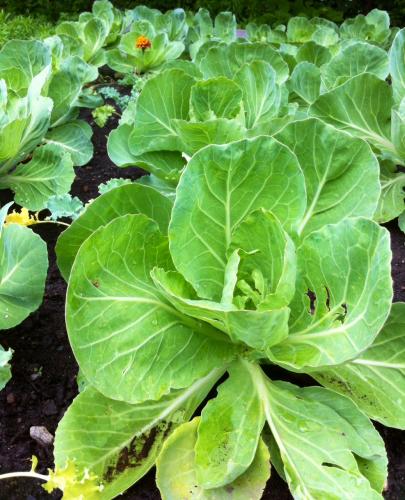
(22,218)
(67,480)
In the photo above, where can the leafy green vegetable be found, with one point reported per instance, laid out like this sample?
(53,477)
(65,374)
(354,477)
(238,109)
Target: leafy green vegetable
(179,112)
(228,433)
(23,268)
(138,316)
(217,193)
(368,117)
(327,446)
(136,438)
(64,205)
(126,199)
(341,173)
(40,138)
(342,320)
(353,60)
(255,263)
(20,62)
(176,474)
(375,380)
(374,26)
(252,244)
(143,48)
(92,30)
(49,172)
(203,30)
(102,114)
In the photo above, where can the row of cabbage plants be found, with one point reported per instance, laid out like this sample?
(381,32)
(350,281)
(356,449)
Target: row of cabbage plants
(254,244)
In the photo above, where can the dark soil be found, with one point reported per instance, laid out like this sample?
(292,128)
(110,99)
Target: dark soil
(44,370)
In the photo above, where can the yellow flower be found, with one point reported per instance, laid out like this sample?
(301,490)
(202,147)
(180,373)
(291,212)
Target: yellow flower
(142,42)
(23,218)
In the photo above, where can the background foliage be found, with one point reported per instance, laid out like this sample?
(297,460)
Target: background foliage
(23,27)
(271,11)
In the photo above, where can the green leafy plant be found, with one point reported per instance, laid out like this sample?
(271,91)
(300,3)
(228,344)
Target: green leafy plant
(203,30)
(366,106)
(172,22)
(240,274)
(102,114)
(250,256)
(122,100)
(23,27)
(233,93)
(23,268)
(142,49)
(93,31)
(41,137)
(237,90)
(64,205)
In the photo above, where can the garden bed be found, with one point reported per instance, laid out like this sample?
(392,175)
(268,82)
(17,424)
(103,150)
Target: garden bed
(44,370)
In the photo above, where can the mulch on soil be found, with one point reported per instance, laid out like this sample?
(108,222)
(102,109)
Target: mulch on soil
(44,370)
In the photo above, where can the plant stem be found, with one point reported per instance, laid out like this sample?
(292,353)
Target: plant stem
(33,475)
(52,222)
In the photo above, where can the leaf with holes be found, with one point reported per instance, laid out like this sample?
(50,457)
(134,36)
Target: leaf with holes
(343,271)
(375,380)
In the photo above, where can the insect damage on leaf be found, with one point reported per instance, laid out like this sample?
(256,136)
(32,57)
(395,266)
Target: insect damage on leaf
(312,301)
(342,315)
(327,298)
(138,450)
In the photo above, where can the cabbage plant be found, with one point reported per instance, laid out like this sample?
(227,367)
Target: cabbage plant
(40,136)
(366,106)
(23,268)
(203,30)
(268,256)
(143,48)
(92,32)
(264,33)
(232,93)
(172,22)
(374,28)
(358,87)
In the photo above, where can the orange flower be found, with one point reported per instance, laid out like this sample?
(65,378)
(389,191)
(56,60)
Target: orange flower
(142,42)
